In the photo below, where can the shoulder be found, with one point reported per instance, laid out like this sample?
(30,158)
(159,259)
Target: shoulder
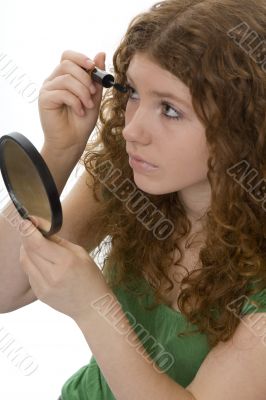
(240,362)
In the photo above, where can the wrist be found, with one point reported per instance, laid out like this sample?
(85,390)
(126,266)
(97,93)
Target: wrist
(60,164)
(102,304)
(73,153)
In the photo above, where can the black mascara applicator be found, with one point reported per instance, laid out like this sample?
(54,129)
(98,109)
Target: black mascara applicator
(105,79)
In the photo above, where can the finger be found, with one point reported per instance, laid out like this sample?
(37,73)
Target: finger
(74,248)
(69,67)
(46,249)
(36,221)
(35,276)
(81,59)
(41,268)
(37,258)
(51,272)
(74,86)
(58,247)
(99,60)
(59,97)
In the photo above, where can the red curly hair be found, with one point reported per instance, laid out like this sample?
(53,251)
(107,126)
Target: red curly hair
(202,43)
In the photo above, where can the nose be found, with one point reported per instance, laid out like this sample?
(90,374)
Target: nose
(137,126)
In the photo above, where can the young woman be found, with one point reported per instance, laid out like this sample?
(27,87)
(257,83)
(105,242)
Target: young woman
(178,311)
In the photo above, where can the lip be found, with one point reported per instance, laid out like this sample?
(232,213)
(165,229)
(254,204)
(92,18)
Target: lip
(141,166)
(137,158)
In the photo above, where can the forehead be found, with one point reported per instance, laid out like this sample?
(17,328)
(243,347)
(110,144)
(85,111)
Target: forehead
(142,63)
(144,71)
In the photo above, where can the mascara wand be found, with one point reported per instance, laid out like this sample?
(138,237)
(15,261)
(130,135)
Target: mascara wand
(105,79)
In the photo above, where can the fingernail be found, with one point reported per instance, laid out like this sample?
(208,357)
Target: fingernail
(34,221)
(89,63)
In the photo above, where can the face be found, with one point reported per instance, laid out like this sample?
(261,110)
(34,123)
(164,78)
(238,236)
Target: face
(162,128)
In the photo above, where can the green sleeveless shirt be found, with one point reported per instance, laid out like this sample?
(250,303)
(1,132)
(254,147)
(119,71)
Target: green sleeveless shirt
(163,323)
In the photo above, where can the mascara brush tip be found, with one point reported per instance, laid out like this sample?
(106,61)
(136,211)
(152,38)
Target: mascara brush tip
(120,88)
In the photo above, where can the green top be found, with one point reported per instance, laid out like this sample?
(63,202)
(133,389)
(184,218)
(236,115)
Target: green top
(179,357)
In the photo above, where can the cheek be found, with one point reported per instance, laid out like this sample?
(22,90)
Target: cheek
(187,158)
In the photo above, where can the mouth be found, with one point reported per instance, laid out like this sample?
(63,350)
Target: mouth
(134,157)
(141,166)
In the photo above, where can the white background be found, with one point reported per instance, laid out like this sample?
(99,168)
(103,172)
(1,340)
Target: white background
(33,34)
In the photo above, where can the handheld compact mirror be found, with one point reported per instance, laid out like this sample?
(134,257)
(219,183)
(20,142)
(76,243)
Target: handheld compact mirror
(29,182)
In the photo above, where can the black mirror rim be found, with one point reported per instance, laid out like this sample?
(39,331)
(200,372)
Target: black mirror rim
(45,176)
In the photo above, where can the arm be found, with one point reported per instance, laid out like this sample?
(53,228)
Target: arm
(14,282)
(130,375)
(64,94)
(232,370)
(60,165)
(15,290)
(235,369)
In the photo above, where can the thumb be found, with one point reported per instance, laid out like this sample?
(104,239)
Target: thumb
(62,242)
(72,247)
(99,60)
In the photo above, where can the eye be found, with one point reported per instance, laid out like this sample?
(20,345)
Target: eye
(131,92)
(171,112)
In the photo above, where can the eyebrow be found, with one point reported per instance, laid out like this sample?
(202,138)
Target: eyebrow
(159,94)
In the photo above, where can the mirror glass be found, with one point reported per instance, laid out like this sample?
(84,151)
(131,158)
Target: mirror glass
(29,183)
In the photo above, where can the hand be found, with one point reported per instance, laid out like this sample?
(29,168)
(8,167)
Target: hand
(60,273)
(69,102)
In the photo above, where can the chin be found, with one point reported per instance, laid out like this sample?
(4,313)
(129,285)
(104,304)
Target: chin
(151,188)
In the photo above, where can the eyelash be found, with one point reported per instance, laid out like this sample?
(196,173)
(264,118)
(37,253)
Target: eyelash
(163,103)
